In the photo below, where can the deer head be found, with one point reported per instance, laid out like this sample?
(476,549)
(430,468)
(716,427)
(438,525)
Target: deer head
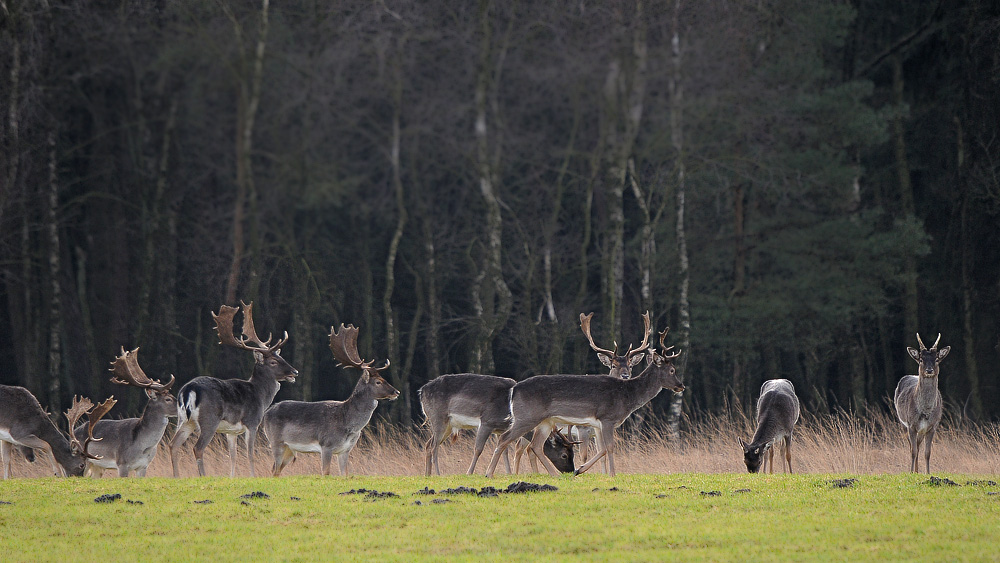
(127,372)
(84,406)
(619,364)
(928,359)
(662,361)
(344,345)
(267,355)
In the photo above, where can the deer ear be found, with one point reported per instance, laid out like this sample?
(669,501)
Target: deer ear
(943,352)
(258,357)
(742,444)
(150,393)
(605,359)
(914,353)
(634,360)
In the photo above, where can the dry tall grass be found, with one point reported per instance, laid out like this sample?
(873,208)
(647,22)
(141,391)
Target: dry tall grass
(836,443)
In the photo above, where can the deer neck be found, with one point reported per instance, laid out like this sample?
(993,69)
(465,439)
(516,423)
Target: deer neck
(927,392)
(61,449)
(264,382)
(362,398)
(645,386)
(153,420)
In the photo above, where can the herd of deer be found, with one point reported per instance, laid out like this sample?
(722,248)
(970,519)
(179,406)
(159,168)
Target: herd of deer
(541,413)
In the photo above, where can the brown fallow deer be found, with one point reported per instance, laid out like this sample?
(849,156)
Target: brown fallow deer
(620,365)
(918,401)
(777,413)
(543,401)
(230,406)
(130,444)
(328,427)
(472,401)
(25,424)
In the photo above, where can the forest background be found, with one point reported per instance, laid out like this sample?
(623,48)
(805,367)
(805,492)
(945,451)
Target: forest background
(795,187)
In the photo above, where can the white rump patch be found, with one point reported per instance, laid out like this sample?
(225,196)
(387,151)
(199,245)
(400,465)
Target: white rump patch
(464,422)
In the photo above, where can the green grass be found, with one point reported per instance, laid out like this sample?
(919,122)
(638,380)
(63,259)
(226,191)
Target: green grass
(649,517)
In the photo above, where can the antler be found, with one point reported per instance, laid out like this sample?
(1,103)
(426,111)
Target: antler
(224,326)
(79,408)
(665,348)
(645,338)
(585,327)
(934,347)
(344,345)
(127,372)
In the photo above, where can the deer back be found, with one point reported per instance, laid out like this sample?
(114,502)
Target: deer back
(472,395)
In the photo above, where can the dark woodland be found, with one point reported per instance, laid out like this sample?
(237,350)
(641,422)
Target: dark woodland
(794,187)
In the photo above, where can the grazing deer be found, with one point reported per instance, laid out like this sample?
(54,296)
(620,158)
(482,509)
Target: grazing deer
(328,427)
(25,424)
(777,413)
(130,444)
(918,401)
(231,406)
(543,401)
(558,449)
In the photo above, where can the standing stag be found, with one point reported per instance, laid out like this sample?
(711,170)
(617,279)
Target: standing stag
(918,401)
(25,424)
(130,444)
(231,406)
(328,427)
(620,365)
(543,401)
(777,413)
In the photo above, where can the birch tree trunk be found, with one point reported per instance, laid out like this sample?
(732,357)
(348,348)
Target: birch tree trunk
(493,298)
(683,304)
(398,375)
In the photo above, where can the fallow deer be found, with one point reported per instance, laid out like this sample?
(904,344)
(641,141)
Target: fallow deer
(777,413)
(543,401)
(130,444)
(328,427)
(25,424)
(918,401)
(231,406)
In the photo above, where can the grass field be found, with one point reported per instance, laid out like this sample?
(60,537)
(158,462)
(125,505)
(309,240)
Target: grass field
(686,517)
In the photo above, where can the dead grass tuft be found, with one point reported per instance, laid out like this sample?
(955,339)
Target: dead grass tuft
(835,443)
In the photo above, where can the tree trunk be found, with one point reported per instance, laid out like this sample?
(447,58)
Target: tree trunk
(247,103)
(55,300)
(400,411)
(648,241)
(433,306)
(968,309)
(683,304)
(910,292)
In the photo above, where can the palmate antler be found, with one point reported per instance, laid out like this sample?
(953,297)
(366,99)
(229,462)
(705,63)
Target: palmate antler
(79,408)
(127,372)
(344,345)
(224,327)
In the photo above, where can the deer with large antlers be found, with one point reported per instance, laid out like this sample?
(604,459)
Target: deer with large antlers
(25,424)
(918,401)
(544,401)
(230,406)
(329,427)
(129,445)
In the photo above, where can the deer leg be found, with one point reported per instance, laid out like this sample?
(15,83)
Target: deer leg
(180,436)
(231,440)
(343,459)
(584,433)
(123,470)
(141,472)
(788,452)
(607,433)
(251,437)
(927,449)
(583,468)
(204,438)
(482,435)
(542,432)
(770,459)
(282,455)
(430,452)
(506,438)
(506,458)
(5,458)
(914,448)
(326,456)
